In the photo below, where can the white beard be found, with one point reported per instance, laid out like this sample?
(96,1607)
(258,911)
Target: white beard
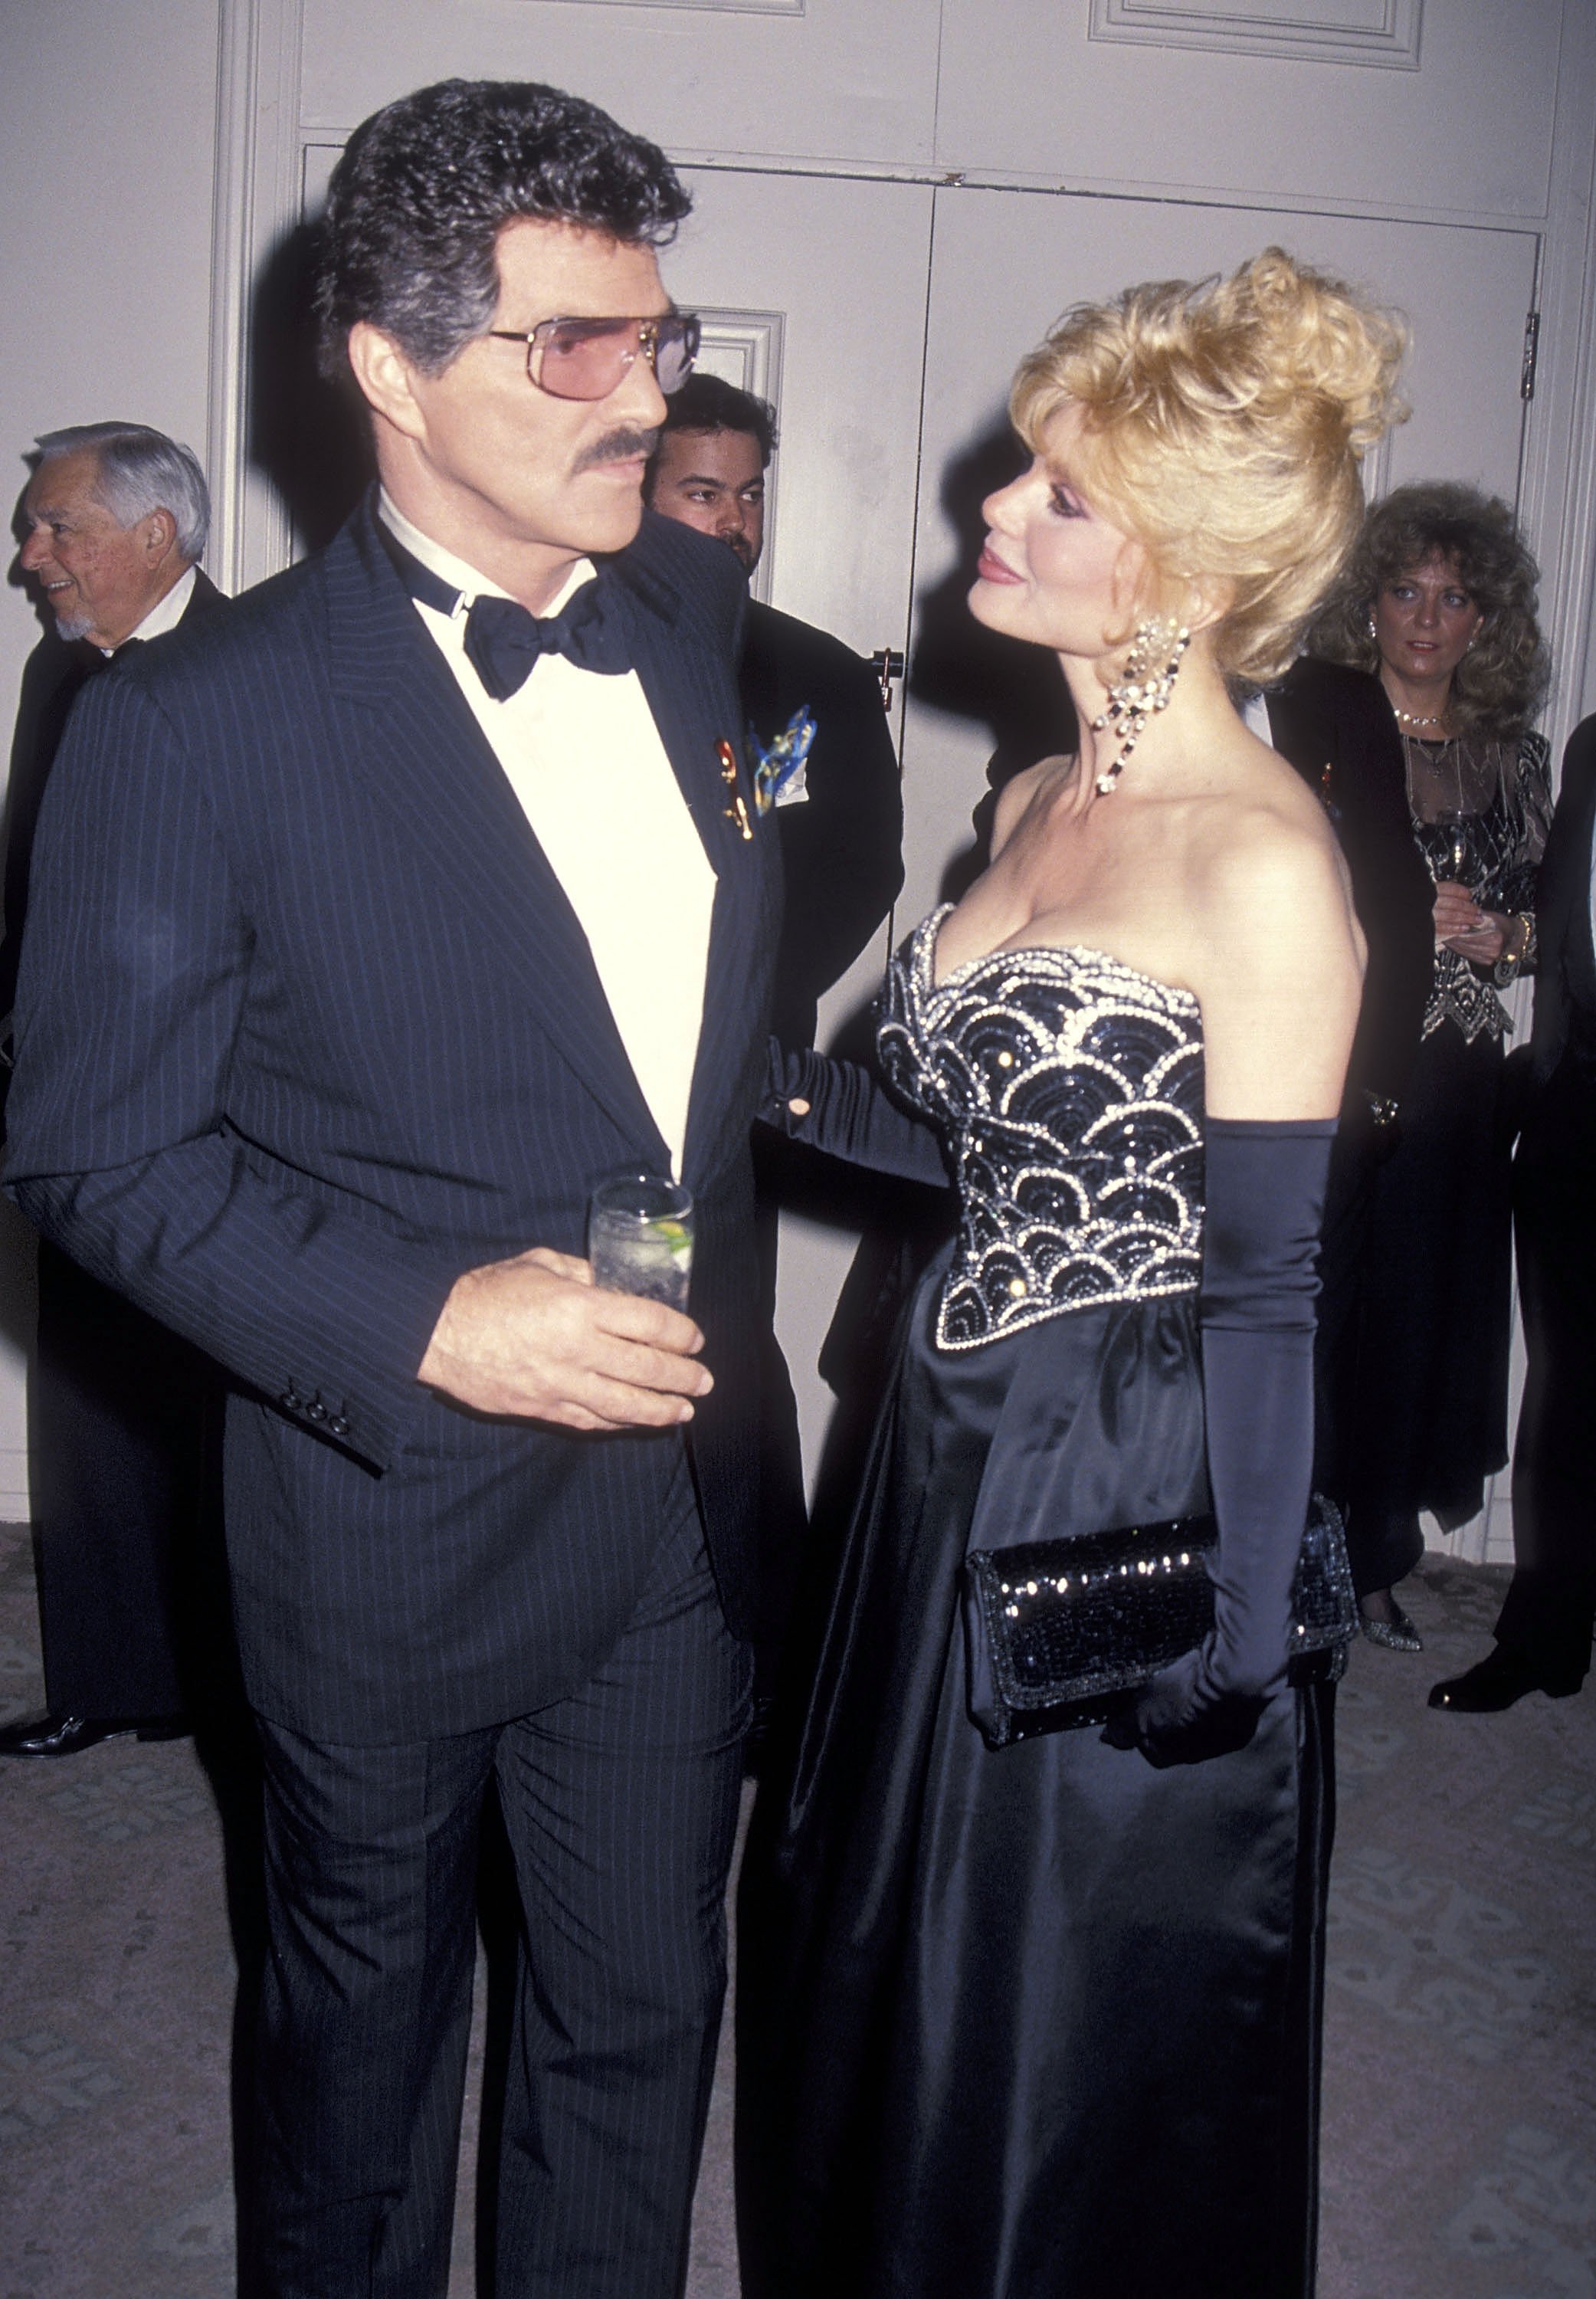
(76,625)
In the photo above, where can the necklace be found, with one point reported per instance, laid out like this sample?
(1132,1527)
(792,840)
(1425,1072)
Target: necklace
(1414,718)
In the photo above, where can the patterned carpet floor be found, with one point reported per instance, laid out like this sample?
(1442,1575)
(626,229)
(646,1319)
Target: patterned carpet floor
(1460,2140)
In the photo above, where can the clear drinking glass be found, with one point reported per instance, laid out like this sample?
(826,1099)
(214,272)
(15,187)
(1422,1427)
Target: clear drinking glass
(1455,823)
(639,1237)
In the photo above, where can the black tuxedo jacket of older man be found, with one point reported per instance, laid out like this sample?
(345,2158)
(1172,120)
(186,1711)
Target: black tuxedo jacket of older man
(306,1028)
(53,677)
(123,1416)
(1550,1605)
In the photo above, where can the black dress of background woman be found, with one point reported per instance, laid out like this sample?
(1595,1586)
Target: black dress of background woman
(1439,598)
(1042,2021)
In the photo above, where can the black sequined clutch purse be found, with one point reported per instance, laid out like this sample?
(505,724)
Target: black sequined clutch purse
(1058,1631)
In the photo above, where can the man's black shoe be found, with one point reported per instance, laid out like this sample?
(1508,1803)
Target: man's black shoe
(65,1736)
(1493,1683)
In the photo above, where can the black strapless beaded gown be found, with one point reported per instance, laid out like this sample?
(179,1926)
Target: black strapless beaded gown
(1038,2023)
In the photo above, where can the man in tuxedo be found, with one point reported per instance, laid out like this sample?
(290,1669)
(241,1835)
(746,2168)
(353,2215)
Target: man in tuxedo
(814,713)
(385,928)
(1544,1635)
(839,815)
(1335,728)
(121,1414)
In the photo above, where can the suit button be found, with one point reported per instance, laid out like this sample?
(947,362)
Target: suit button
(291,1400)
(338,1426)
(316,1410)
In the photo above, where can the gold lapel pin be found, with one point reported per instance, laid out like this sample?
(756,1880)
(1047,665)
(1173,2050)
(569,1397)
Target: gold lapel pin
(737,811)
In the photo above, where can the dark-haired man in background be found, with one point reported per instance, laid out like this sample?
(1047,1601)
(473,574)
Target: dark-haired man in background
(840,820)
(121,1414)
(382,929)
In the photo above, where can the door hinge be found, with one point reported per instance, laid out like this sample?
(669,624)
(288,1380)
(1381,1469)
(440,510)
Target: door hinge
(1531,344)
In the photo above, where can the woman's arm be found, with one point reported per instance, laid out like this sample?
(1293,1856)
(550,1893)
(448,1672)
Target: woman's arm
(1279,997)
(837,1106)
(1499,931)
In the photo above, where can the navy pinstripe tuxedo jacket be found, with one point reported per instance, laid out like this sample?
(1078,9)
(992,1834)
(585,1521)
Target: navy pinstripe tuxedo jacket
(306,1026)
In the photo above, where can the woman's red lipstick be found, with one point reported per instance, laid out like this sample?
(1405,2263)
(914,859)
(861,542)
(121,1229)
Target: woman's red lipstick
(992,569)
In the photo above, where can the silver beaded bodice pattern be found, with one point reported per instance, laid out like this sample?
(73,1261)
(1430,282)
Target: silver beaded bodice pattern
(1070,1089)
(1480,816)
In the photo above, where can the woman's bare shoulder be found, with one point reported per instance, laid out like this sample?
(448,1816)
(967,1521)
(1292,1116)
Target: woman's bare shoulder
(1277,957)
(1267,875)
(1016,795)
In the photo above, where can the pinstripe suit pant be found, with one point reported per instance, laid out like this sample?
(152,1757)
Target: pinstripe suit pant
(620,1805)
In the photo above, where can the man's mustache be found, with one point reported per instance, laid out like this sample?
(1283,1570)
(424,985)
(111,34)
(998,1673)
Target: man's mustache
(617,447)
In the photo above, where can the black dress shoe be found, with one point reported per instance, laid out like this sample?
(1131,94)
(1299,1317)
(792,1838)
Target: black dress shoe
(1493,1683)
(65,1736)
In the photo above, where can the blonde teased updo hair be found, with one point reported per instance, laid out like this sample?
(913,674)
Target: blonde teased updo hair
(1224,423)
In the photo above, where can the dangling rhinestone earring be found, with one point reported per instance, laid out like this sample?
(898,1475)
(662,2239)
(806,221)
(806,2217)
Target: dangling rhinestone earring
(1373,633)
(1134,697)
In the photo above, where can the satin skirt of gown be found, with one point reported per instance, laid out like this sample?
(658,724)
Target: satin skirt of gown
(1040,2022)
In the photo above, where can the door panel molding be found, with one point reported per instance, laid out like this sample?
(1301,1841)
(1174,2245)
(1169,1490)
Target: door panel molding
(259,172)
(1379,33)
(744,348)
(1194,192)
(716,7)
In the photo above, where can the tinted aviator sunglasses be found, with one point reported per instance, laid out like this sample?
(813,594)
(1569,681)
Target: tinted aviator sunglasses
(587,359)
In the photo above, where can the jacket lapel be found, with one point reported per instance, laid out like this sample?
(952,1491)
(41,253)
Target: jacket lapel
(432,770)
(694,699)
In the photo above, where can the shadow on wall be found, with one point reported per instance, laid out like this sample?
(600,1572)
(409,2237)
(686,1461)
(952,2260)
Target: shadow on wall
(960,667)
(307,436)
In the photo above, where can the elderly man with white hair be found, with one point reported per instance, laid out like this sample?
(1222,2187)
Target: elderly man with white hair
(122,1416)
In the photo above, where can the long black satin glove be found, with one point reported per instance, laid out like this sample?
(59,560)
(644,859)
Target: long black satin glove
(1265,1191)
(842,1109)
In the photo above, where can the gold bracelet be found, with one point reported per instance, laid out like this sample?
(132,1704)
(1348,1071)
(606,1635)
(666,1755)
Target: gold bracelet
(1506,968)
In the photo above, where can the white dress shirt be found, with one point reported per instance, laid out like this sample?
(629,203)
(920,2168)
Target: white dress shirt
(166,613)
(584,757)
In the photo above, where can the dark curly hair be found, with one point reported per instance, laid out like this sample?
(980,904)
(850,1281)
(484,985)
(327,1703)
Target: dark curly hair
(708,402)
(425,187)
(1501,681)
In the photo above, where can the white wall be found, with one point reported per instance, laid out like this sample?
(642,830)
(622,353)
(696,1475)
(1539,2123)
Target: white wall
(107,134)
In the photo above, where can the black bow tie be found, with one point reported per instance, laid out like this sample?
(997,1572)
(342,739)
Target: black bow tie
(504,639)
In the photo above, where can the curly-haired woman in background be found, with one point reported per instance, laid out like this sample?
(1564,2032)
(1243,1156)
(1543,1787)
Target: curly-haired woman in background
(1040,2021)
(1438,600)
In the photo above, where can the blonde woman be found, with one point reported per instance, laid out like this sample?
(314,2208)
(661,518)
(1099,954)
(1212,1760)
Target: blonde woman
(1039,2020)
